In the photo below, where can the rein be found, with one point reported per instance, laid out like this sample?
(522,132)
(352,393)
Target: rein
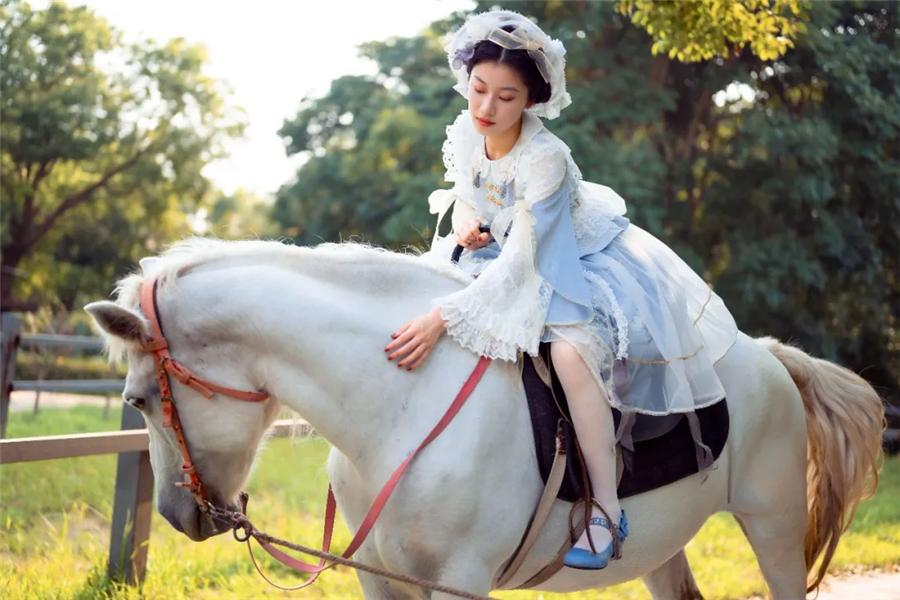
(167,366)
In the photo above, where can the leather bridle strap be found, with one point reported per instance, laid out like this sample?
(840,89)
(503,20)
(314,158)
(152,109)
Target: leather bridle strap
(165,366)
(386,491)
(160,349)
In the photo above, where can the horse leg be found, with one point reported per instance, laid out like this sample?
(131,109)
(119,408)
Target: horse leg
(375,587)
(465,572)
(771,508)
(378,587)
(777,541)
(462,572)
(673,580)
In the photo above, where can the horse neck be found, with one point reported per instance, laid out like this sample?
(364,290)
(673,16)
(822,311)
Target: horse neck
(317,329)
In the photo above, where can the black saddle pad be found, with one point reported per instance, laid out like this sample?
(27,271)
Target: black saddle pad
(664,450)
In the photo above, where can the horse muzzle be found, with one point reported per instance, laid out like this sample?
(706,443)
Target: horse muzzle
(187,518)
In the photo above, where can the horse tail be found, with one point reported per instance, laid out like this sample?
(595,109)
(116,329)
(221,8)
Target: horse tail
(844,423)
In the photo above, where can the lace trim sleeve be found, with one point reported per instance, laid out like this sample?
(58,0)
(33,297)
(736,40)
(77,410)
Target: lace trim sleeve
(458,147)
(503,311)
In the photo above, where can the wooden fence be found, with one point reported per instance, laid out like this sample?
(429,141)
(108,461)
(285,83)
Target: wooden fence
(133,504)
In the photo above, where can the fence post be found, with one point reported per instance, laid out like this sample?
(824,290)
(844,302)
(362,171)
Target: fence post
(10,326)
(132,509)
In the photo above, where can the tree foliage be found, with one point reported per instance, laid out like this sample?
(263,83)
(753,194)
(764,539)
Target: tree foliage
(103,146)
(238,216)
(771,169)
(374,147)
(695,30)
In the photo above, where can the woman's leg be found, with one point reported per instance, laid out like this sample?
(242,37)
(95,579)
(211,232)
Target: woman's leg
(593,420)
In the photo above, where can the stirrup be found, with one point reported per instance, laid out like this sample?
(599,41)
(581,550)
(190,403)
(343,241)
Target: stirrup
(579,558)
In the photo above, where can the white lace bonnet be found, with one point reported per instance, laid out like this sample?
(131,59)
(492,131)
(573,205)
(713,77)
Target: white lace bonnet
(548,54)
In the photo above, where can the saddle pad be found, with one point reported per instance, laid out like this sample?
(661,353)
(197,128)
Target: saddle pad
(658,460)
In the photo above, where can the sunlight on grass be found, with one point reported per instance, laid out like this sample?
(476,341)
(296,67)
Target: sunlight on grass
(55,531)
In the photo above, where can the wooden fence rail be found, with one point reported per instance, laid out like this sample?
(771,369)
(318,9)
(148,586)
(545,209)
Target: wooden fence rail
(133,505)
(52,447)
(48,340)
(76,386)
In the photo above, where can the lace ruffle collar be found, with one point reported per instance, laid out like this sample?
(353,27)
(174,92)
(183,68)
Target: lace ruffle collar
(502,170)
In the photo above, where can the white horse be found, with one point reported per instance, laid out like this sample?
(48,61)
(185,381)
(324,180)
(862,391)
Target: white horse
(309,327)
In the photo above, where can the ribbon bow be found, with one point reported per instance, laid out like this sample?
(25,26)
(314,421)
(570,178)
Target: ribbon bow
(519,39)
(439,202)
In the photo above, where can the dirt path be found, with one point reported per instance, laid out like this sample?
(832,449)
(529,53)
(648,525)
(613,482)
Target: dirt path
(22,401)
(867,586)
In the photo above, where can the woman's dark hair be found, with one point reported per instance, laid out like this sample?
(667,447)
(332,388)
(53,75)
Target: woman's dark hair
(487,51)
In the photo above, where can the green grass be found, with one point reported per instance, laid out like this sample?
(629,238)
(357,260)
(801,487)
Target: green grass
(54,530)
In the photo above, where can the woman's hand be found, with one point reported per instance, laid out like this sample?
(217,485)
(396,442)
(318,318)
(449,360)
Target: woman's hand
(415,340)
(470,238)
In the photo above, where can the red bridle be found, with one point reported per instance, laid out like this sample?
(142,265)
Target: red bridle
(165,366)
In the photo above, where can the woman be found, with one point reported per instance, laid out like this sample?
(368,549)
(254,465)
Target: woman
(630,325)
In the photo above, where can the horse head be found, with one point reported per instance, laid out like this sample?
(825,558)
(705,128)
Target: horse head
(222,433)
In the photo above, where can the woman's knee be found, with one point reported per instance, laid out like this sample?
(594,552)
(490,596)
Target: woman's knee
(566,359)
(571,367)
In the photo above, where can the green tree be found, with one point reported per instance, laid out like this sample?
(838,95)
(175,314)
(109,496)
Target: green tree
(103,146)
(373,146)
(695,30)
(240,215)
(804,193)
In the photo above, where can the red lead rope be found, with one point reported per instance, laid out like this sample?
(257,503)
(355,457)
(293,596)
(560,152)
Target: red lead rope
(381,500)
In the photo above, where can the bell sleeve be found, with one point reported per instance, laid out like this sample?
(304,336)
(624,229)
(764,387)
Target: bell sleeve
(504,310)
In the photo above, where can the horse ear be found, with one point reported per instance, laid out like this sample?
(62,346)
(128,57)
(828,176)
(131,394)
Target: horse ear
(118,321)
(149,265)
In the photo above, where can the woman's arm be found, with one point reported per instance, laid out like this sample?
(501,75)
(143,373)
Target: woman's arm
(503,312)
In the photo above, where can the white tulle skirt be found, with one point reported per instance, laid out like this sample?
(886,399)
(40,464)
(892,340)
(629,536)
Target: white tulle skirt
(675,327)
(657,329)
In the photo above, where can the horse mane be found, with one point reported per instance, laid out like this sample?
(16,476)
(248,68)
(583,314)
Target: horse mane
(194,252)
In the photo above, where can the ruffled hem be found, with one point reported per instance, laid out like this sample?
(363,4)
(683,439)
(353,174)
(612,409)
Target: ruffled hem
(477,328)
(470,337)
(608,302)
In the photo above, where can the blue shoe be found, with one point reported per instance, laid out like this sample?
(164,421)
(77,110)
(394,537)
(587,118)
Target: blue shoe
(579,558)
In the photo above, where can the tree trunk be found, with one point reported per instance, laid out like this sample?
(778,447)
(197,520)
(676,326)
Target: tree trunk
(12,256)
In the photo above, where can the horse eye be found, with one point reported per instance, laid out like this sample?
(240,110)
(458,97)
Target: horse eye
(138,403)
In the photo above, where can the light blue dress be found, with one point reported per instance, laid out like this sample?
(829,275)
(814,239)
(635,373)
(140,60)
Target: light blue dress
(566,264)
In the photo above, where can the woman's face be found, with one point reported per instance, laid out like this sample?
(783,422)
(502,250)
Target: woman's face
(497,98)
